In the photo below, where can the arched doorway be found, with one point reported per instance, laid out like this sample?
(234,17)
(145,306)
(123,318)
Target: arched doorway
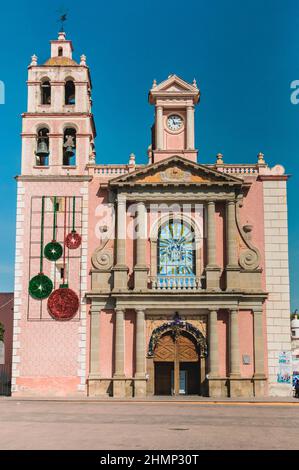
(176,359)
(177,365)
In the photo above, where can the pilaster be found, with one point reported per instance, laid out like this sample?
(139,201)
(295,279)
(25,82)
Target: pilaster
(215,388)
(190,128)
(119,384)
(159,128)
(141,269)
(212,269)
(121,269)
(140,382)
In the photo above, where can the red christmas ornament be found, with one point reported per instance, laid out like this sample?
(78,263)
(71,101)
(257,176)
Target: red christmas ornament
(73,240)
(63,304)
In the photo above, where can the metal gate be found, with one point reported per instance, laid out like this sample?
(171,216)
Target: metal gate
(5,380)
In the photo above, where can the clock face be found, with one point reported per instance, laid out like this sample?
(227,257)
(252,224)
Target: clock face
(174,122)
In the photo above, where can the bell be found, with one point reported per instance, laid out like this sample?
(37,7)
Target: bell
(69,152)
(42,149)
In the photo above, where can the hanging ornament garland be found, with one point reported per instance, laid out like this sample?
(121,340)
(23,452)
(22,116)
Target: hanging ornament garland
(73,240)
(53,250)
(41,286)
(63,304)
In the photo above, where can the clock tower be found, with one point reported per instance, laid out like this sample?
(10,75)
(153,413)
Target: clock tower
(173,131)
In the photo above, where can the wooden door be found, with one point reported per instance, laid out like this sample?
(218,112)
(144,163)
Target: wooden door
(163,372)
(187,350)
(173,354)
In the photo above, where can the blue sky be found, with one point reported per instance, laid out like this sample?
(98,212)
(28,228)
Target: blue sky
(244,56)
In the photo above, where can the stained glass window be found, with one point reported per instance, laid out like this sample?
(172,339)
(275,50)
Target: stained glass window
(176,256)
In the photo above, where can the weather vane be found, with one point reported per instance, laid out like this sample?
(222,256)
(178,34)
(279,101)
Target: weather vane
(62,19)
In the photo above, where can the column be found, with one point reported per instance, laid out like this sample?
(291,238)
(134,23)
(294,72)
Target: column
(140,343)
(121,230)
(121,269)
(211,233)
(140,269)
(212,270)
(94,372)
(213,344)
(259,366)
(190,128)
(159,128)
(232,268)
(234,357)
(119,349)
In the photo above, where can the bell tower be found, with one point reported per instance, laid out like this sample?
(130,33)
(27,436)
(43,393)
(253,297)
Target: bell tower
(58,128)
(173,131)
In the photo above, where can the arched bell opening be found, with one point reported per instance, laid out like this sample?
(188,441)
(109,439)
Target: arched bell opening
(177,360)
(45,91)
(69,147)
(42,147)
(70,93)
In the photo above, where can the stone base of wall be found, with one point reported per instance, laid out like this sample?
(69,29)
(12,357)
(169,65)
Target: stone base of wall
(236,387)
(217,388)
(117,388)
(280,390)
(48,387)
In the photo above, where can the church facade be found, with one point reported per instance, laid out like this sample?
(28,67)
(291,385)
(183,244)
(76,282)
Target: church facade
(137,280)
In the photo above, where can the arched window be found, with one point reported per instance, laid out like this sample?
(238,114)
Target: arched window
(60,52)
(45,92)
(42,147)
(70,93)
(69,147)
(176,254)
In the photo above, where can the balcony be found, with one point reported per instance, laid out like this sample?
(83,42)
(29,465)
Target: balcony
(176,283)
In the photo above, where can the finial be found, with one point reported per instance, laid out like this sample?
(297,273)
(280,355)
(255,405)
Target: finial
(34,60)
(219,160)
(261,160)
(61,36)
(154,83)
(83,60)
(194,83)
(132,159)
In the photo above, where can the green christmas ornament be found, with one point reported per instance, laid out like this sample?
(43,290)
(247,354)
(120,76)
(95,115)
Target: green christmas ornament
(40,287)
(53,250)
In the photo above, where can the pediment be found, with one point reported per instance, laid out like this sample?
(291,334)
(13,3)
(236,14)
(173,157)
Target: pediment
(175,171)
(174,86)
(174,83)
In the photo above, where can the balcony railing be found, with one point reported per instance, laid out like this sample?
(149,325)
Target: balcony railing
(174,283)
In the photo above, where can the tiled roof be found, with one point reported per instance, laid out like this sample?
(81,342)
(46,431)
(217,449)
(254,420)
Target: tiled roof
(60,61)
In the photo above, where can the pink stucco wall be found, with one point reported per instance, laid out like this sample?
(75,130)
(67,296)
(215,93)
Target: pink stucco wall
(246,342)
(49,353)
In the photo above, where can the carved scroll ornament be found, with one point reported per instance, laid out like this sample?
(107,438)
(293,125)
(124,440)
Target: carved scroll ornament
(250,257)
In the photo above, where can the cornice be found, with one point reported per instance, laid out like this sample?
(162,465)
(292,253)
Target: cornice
(62,178)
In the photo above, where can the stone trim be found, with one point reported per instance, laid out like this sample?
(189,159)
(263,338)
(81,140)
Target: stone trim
(62,178)
(19,272)
(219,176)
(277,279)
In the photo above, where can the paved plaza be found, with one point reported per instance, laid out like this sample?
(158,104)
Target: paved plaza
(149,425)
